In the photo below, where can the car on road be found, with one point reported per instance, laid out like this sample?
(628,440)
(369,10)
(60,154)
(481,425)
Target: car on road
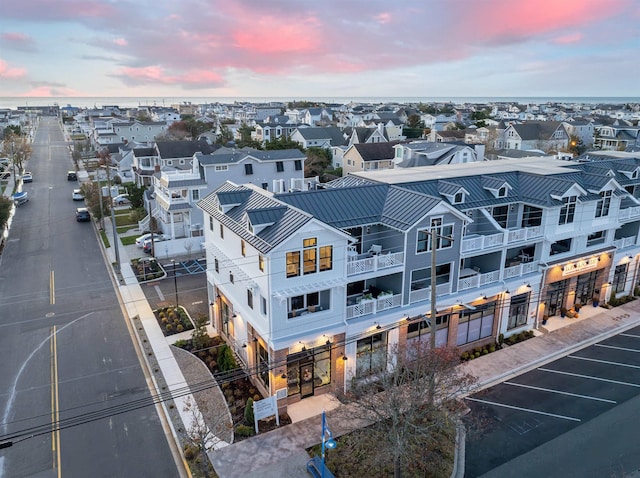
(27,177)
(121,200)
(82,214)
(72,176)
(140,240)
(77,195)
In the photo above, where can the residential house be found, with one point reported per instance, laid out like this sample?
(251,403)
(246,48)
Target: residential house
(616,137)
(368,156)
(313,289)
(319,137)
(542,135)
(426,153)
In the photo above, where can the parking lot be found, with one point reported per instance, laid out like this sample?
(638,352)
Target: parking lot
(516,416)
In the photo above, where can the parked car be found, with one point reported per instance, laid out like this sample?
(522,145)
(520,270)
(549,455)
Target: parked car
(82,214)
(147,245)
(140,240)
(72,176)
(77,195)
(27,177)
(121,200)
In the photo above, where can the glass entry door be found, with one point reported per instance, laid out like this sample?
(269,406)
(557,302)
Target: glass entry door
(555,297)
(306,380)
(585,287)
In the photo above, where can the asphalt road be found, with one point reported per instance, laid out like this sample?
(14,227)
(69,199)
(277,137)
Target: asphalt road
(64,344)
(576,416)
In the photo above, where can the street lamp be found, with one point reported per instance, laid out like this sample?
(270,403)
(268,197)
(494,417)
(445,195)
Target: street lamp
(327,439)
(175,280)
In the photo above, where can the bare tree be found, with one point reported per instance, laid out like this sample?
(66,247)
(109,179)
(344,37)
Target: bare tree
(407,424)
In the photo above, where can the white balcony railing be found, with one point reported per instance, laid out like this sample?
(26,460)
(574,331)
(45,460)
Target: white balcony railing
(374,263)
(425,294)
(372,306)
(523,234)
(625,242)
(476,242)
(629,213)
(520,269)
(478,280)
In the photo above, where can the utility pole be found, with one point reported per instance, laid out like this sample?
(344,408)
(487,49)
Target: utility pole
(432,325)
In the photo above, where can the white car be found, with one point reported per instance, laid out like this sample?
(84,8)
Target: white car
(142,239)
(147,244)
(121,199)
(27,177)
(77,195)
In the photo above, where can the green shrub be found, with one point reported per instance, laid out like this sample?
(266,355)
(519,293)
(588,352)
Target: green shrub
(256,397)
(190,452)
(244,431)
(465,356)
(226,361)
(476,354)
(485,351)
(182,343)
(179,328)
(501,339)
(168,327)
(492,349)
(248,412)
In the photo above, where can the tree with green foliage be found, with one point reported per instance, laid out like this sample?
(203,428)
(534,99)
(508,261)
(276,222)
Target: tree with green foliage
(136,195)
(249,419)
(226,361)
(225,136)
(576,145)
(199,337)
(282,143)
(5,211)
(245,138)
(414,121)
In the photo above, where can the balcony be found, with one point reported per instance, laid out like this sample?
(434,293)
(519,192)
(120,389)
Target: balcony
(419,295)
(366,306)
(520,269)
(524,234)
(364,263)
(478,279)
(625,242)
(475,242)
(629,213)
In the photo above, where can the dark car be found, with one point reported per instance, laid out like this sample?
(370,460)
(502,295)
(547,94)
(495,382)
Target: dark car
(72,176)
(82,214)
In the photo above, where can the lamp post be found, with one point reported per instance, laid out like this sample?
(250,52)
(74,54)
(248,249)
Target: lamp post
(327,439)
(175,280)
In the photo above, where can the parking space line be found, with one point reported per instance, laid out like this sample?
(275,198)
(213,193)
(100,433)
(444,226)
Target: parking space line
(604,361)
(624,349)
(630,335)
(589,377)
(560,392)
(528,410)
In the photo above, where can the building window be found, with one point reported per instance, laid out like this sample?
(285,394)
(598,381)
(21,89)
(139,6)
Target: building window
(231,277)
(279,166)
(500,215)
(298,164)
(293,264)
(309,367)
(568,210)
(531,216)
(309,303)
(444,236)
(223,167)
(458,198)
(596,238)
(604,203)
(263,305)
(243,248)
(310,255)
(248,169)
(502,192)
(371,355)
(261,262)
(221,231)
(560,247)
(518,311)
(210,223)
(265,186)
(262,360)
(216,264)
(619,278)
(250,298)
(476,324)
(326,258)
(195,194)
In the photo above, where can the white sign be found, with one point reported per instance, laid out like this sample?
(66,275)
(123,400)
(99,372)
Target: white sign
(579,266)
(265,408)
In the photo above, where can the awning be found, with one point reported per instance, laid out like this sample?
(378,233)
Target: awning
(312,287)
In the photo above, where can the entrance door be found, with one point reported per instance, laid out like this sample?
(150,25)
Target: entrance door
(555,297)
(306,380)
(585,287)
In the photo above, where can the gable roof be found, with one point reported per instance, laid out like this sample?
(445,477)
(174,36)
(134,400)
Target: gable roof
(183,149)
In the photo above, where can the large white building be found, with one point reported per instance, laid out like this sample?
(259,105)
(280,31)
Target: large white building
(313,288)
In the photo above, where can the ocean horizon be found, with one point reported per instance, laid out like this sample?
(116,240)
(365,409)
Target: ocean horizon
(133,102)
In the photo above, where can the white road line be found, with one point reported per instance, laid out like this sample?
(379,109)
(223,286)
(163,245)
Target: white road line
(528,410)
(630,335)
(159,292)
(588,397)
(604,361)
(589,377)
(624,349)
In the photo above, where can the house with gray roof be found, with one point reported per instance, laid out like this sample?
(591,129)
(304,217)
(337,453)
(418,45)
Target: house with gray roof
(299,280)
(548,136)
(319,137)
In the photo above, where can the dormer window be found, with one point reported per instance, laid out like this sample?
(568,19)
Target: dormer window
(502,192)
(458,198)
(634,175)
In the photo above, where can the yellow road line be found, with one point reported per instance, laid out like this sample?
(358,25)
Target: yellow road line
(52,288)
(55,404)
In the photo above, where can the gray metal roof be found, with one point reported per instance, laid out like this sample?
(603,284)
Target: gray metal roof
(228,156)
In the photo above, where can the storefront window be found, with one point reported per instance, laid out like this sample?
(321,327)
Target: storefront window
(371,355)
(476,324)
(308,370)
(262,360)
(619,278)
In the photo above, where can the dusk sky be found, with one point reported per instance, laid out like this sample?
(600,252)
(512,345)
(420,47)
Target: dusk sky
(321,48)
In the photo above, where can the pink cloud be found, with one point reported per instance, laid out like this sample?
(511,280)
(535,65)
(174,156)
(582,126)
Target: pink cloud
(158,75)
(47,91)
(384,17)
(9,72)
(120,42)
(18,41)
(568,39)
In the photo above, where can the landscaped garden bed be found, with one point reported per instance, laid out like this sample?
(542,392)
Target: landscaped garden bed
(173,320)
(234,382)
(146,269)
(487,349)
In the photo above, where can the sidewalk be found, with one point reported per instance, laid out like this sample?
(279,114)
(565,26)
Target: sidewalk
(282,452)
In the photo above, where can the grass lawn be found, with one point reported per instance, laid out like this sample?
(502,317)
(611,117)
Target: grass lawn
(124,220)
(123,229)
(128,240)
(105,239)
